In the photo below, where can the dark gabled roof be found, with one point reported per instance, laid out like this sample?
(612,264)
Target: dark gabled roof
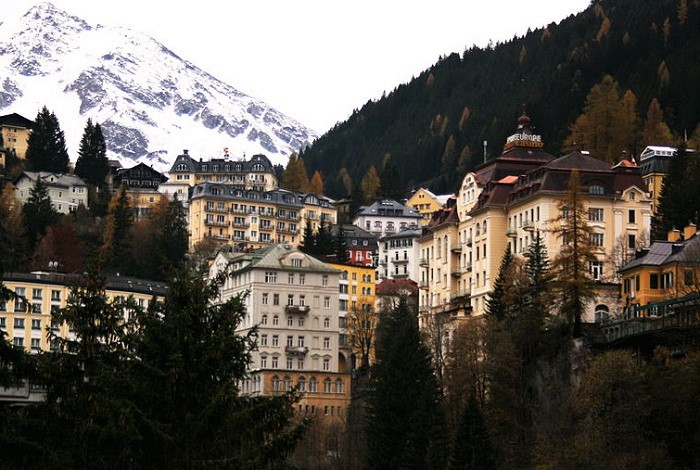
(16,120)
(389,286)
(141,171)
(655,255)
(578,161)
(113,282)
(389,208)
(235,166)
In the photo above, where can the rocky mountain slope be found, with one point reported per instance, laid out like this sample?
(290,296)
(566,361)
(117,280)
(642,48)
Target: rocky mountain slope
(151,102)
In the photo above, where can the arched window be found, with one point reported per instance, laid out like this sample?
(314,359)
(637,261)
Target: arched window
(327,387)
(263,319)
(275,383)
(287,384)
(478,229)
(313,384)
(602,313)
(339,386)
(596,189)
(302,384)
(484,227)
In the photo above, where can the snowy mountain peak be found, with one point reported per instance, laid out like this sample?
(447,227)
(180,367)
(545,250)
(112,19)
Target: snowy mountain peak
(150,102)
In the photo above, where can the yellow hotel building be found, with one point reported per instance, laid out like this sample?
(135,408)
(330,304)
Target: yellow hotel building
(508,200)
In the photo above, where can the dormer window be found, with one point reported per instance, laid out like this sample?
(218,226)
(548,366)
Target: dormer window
(596,189)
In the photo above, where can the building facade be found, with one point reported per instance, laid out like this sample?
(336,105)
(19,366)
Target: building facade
(15,131)
(399,255)
(293,300)
(386,217)
(361,245)
(67,192)
(654,162)
(509,200)
(26,320)
(227,214)
(426,203)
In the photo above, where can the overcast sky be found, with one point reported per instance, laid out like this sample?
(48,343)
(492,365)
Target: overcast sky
(317,60)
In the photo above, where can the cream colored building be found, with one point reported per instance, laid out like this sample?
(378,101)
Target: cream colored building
(511,198)
(25,321)
(293,299)
(654,162)
(66,191)
(15,131)
(228,214)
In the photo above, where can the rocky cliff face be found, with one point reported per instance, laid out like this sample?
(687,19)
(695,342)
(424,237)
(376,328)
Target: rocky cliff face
(150,102)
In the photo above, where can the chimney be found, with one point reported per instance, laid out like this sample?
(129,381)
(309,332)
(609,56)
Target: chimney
(674,235)
(689,231)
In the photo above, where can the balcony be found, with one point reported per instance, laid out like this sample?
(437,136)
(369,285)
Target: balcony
(423,285)
(468,241)
(400,261)
(266,228)
(240,224)
(460,295)
(296,350)
(468,266)
(221,210)
(511,232)
(297,308)
(215,223)
(424,262)
(217,237)
(529,225)
(456,248)
(456,272)
(288,231)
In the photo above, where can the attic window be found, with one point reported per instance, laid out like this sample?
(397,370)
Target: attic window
(596,189)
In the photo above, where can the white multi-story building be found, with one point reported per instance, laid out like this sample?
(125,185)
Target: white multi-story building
(66,191)
(292,300)
(387,217)
(399,255)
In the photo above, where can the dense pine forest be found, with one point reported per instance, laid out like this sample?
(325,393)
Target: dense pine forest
(432,129)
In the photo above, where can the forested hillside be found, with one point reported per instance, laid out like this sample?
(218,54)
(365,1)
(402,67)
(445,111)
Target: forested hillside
(432,129)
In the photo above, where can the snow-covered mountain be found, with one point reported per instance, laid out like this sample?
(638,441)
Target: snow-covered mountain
(151,103)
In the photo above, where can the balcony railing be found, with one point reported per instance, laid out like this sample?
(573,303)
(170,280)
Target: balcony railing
(297,308)
(240,224)
(222,210)
(528,225)
(468,241)
(266,228)
(511,232)
(296,350)
(216,223)
(423,285)
(424,262)
(460,295)
(400,261)
(456,247)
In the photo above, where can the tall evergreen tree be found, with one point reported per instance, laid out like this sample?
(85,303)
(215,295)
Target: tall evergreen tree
(308,242)
(406,417)
(116,249)
(13,236)
(39,213)
(295,178)
(46,146)
(472,448)
(92,165)
(497,305)
(571,266)
(678,204)
(340,246)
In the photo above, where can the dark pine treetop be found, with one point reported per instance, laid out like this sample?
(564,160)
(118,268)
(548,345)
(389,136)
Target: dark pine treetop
(46,146)
(92,165)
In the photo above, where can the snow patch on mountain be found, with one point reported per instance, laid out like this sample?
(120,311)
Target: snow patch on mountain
(151,103)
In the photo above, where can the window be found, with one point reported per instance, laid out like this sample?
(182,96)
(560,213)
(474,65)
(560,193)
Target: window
(300,341)
(290,320)
(17,341)
(302,279)
(275,320)
(327,385)
(3,322)
(37,294)
(290,278)
(595,214)
(270,277)
(653,281)
(265,299)
(326,343)
(36,324)
(688,278)
(290,363)
(324,280)
(631,216)
(339,386)
(300,322)
(313,384)
(275,362)
(36,344)
(36,308)
(596,189)
(19,323)
(290,341)
(326,302)
(290,299)
(327,322)
(275,299)
(597,239)
(302,300)
(631,241)
(595,268)
(275,383)
(263,320)
(275,341)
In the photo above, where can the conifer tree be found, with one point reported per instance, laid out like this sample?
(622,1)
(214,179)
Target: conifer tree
(295,178)
(13,236)
(678,203)
(406,417)
(575,285)
(116,249)
(340,246)
(46,146)
(308,242)
(497,302)
(370,185)
(316,184)
(92,165)
(656,131)
(472,447)
(39,213)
